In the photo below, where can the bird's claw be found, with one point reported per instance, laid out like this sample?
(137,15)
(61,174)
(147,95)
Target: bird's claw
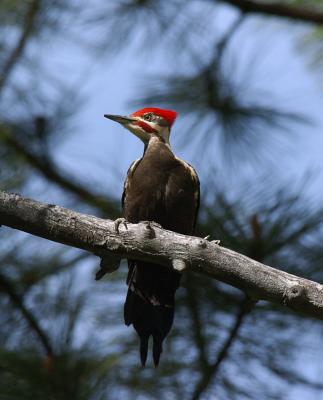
(118,222)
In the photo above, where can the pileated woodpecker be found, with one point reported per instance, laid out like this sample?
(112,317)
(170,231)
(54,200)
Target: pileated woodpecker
(164,189)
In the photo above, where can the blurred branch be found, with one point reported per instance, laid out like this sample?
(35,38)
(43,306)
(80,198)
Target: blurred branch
(227,109)
(32,275)
(278,10)
(18,50)
(197,324)
(167,248)
(225,40)
(7,287)
(46,168)
(244,309)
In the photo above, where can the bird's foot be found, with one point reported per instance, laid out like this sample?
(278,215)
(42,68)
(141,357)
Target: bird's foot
(118,222)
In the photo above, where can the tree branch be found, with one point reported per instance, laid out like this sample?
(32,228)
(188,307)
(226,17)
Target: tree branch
(99,236)
(278,10)
(196,324)
(244,309)
(17,300)
(225,40)
(246,305)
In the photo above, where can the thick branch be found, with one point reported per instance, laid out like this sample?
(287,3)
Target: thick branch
(99,236)
(278,10)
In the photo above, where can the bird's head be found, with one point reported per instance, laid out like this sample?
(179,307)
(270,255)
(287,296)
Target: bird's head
(147,123)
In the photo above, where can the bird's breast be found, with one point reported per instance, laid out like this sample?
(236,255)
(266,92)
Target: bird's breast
(161,188)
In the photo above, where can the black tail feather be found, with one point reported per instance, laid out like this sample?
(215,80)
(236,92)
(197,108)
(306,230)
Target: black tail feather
(129,307)
(143,348)
(149,305)
(157,349)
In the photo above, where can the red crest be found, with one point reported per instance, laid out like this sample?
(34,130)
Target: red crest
(168,115)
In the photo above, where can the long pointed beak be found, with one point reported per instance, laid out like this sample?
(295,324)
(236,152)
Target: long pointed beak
(123,120)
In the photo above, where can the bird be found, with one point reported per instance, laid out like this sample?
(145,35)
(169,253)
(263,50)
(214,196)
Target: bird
(162,189)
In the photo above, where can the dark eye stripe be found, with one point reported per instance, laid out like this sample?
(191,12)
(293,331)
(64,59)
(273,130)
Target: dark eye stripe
(149,117)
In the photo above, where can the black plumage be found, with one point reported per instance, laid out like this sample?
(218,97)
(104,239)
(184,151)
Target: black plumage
(161,188)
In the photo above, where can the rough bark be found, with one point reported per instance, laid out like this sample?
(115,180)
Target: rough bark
(140,242)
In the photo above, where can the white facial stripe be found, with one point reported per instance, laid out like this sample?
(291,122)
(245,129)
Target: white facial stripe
(162,131)
(139,132)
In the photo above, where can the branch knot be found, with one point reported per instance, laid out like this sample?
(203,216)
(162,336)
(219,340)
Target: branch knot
(294,292)
(179,265)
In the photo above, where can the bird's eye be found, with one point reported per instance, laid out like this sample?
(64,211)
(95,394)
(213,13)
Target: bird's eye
(148,117)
